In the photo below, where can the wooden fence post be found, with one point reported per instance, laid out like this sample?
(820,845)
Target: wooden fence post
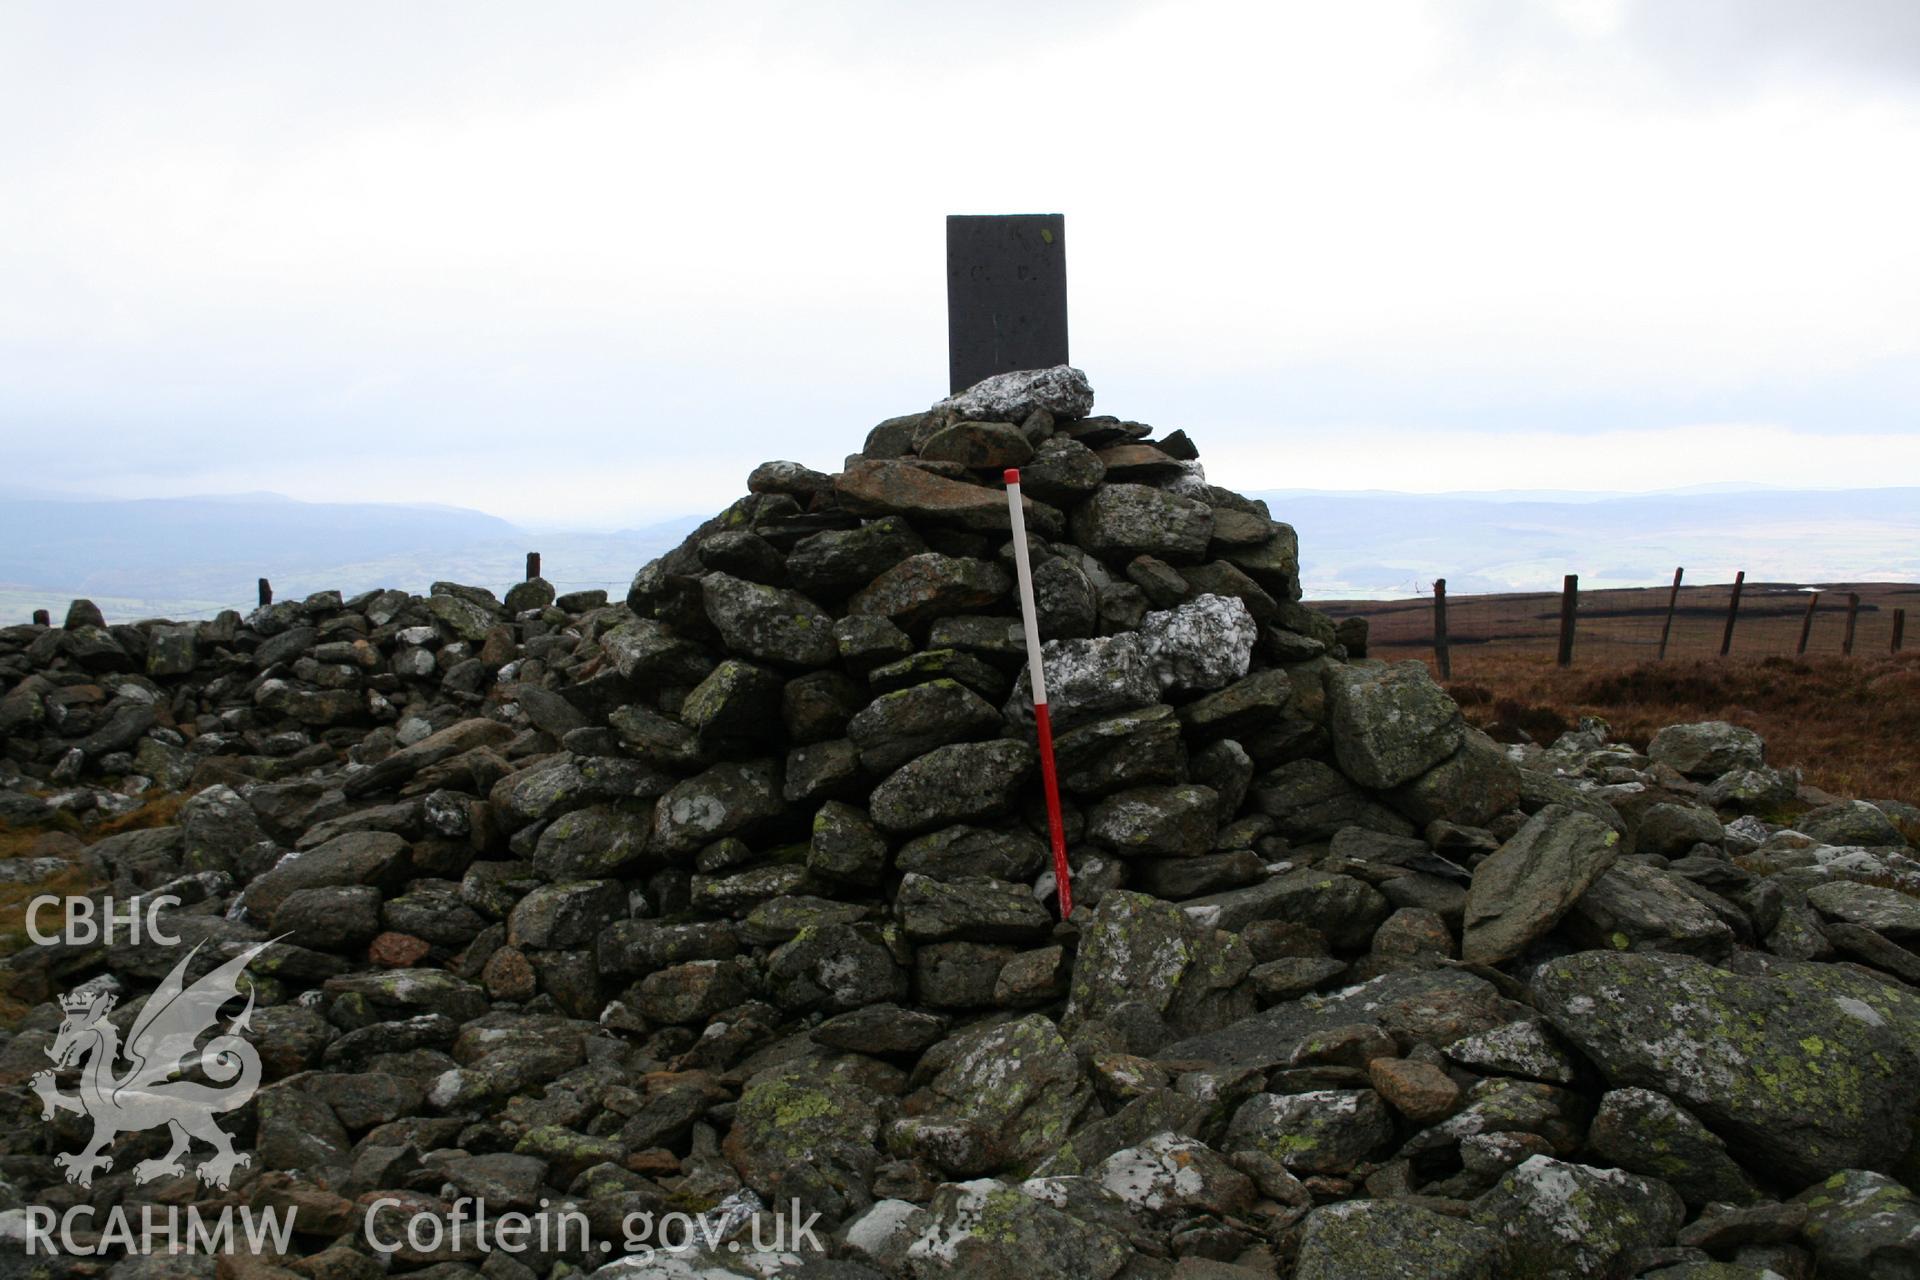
(1673,598)
(533,565)
(1899,628)
(1733,613)
(1440,629)
(1806,624)
(1569,606)
(266,593)
(41,618)
(1853,616)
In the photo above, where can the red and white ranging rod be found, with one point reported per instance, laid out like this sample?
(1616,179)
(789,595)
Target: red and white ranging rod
(1062,878)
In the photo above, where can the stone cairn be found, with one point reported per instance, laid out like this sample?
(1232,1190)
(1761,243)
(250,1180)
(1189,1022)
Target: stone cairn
(734,895)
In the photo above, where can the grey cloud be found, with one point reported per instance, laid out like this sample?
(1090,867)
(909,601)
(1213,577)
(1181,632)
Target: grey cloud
(1743,38)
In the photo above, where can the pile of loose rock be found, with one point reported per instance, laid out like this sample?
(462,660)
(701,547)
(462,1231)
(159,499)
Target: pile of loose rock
(735,895)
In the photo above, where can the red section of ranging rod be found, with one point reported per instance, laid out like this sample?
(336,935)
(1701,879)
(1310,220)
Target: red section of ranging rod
(1048,779)
(1036,670)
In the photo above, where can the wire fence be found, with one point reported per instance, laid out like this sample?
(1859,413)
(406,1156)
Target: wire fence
(1633,625)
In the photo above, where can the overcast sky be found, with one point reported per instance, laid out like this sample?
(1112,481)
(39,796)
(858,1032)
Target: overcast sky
(588,263)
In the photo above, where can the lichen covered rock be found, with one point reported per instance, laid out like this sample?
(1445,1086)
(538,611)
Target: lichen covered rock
(1147,965)
(1013,1090)
(1387,1240)
(798,1113)
(1557,1218)
(1645,1132)
(1800,1072)
(1862,1225)
(767,622)
(1061,391)
(1707,749)
(1390,724)
(1126,520)
(1524,889)
(1321,1131)
(964,782)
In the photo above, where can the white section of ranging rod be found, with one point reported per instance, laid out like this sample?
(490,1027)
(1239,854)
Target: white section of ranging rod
(1028,616)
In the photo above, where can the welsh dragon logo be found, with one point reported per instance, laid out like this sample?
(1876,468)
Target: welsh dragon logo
(160,1046)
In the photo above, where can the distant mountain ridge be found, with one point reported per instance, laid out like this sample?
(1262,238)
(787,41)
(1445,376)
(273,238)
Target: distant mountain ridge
(190,556)
(1535,495)
(1374,544)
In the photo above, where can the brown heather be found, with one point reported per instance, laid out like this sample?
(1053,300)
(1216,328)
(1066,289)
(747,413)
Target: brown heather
(1851,724)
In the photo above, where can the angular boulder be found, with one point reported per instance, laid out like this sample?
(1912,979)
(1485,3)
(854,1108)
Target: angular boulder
(1008,1092)
(1148,966)
(1127,520)
(897,727)
(969,909)
(769,623)
(1646,1132)
(1707,749)
(1566,1219)
(1523,889)
(965,782)
(1088,679)
(1851,822)
(1206,643)
(880,487)
(1634,907)
(1471,787)
(1382,1239)
(1390,724)
(804,1112)
(721,801)
(1060,390)
(978,445)
(1157,822)
(1796,1073)
(1887,912)
(1322,1131)
(1862,1226)
(377,858)
(833,562)
(929,585)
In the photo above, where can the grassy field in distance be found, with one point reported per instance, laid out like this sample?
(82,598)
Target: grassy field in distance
(1852,725)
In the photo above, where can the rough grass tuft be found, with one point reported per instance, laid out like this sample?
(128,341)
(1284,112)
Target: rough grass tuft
(161,811)
(75,879)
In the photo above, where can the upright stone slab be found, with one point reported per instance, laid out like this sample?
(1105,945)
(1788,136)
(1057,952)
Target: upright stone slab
(1006,294)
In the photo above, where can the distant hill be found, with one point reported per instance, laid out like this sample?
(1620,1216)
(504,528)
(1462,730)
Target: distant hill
(192,556)
(1361,545)
(189,557)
